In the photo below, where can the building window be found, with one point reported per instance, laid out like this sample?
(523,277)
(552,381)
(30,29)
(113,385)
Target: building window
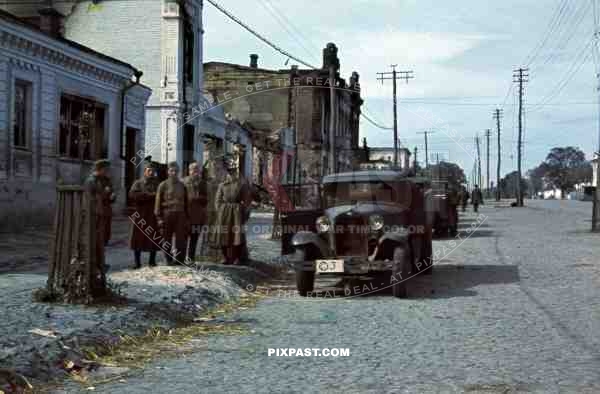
(22,114)
(82,122)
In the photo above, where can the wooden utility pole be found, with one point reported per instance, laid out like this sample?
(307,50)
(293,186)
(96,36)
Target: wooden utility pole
(478,174)
(406,75)
(487,161)
(497,116)
(415,162)
(426,148)
(520,76)
(596,203)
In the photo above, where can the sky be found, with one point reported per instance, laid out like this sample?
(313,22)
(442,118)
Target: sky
(462,54)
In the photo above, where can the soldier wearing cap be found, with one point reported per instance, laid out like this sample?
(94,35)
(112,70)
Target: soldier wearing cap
(99,189)
(100,184)
(171,210)
(144,225)
(232,203)
(197,190)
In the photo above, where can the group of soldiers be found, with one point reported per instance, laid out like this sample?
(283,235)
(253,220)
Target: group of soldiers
(461,197)
(177,209)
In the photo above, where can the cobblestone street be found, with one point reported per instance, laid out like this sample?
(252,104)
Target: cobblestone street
(510,310)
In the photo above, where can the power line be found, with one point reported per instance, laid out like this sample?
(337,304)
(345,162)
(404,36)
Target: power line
(553,19)
(374,123)
(258,35)
(267,5)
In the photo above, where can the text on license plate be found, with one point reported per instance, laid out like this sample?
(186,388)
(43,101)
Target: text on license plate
(324,266)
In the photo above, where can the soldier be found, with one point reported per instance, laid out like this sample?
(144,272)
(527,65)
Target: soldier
(232,203)
(100,193)
(171,210)
(143,195)
(453,201)
(476,198)
(197,190)
(464,197)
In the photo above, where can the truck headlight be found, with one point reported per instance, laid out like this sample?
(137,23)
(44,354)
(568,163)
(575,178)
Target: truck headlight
(376,222)
(323,224)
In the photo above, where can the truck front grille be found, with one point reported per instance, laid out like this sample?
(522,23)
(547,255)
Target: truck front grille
(351,236)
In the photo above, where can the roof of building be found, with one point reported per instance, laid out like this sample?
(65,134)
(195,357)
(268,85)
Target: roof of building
(7,16)
(246,68)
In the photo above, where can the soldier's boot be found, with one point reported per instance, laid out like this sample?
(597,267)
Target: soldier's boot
(152,260)
(168,258)
(138,259)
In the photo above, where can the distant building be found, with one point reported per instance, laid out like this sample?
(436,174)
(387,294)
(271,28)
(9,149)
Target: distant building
(288,114)
(383,157)
(56,94)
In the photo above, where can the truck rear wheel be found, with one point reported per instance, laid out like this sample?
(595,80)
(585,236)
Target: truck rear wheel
(305,280)
(400,271)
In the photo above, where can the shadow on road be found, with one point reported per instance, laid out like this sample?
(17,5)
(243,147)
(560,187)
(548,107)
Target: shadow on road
(447,281)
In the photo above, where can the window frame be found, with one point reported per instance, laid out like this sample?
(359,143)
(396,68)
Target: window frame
(27,116)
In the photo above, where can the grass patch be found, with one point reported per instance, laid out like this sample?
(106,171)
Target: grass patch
(136,351)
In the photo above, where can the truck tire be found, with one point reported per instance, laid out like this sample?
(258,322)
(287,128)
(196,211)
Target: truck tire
(305,280)
(400,271)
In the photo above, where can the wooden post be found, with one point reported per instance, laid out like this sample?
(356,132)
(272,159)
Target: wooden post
(76,266)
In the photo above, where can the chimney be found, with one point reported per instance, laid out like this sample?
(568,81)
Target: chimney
(254,60)
(51,21)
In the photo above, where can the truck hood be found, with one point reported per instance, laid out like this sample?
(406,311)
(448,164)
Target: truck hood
(365,209)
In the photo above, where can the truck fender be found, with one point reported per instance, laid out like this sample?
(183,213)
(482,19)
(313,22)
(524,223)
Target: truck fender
(306,238)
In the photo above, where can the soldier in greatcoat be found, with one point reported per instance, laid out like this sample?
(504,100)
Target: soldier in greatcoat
(197,191)
(171,210)
(232,204)
(101,196)
(476,198)
(144,226)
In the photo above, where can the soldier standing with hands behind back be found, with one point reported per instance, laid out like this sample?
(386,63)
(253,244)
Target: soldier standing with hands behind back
(171,210)
(143,195)
(197,190)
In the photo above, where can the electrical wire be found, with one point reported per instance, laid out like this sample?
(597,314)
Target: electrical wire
(258,35)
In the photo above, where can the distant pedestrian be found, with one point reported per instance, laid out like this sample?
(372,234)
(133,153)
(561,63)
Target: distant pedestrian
(476,198)
(143,195)
(171,210)
(197,191)
(464,197)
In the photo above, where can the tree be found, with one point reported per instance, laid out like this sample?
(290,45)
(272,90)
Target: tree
(448,171)
(565,167)
(536,178)
(508,185)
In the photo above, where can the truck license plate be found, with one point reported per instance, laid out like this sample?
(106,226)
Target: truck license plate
(327,266)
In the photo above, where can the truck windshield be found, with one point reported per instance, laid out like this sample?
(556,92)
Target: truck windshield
(353,192)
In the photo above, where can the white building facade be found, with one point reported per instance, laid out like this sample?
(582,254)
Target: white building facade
(163,39)
(51,90)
